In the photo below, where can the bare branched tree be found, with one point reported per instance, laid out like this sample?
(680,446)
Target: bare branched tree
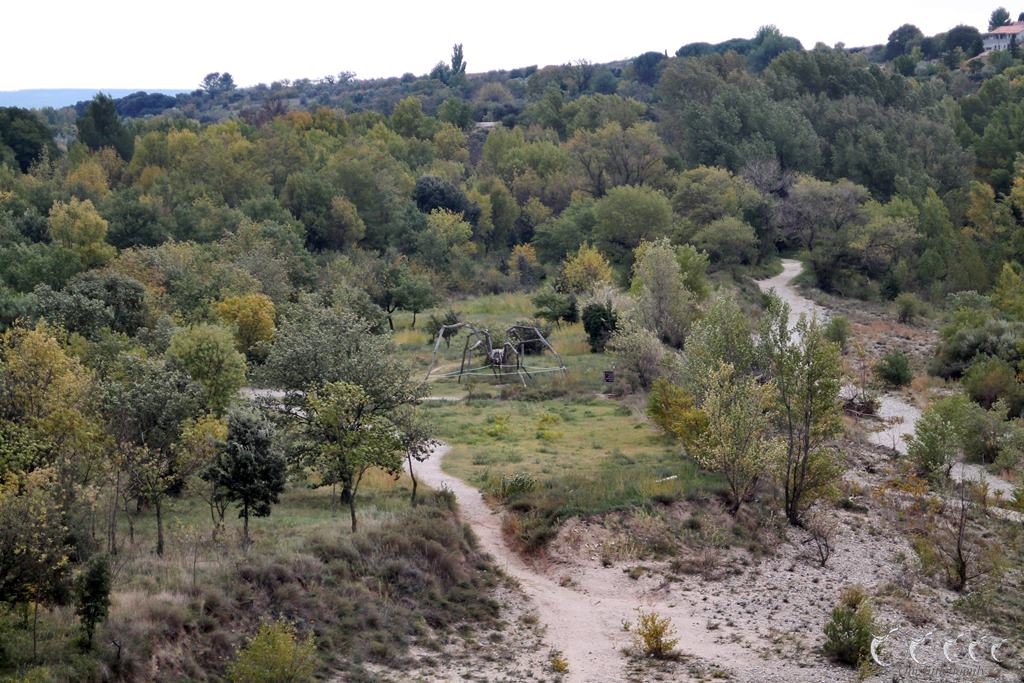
(823,530)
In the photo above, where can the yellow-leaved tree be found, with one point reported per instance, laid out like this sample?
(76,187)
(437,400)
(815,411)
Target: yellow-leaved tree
(78,226)
(585,269)
(251,317)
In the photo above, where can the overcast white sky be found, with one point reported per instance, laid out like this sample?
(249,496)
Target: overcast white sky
(147,44)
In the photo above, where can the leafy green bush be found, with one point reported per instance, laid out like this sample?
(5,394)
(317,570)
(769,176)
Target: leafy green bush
(599,322)
(838,331)
(894,369)
(676,412)
(556,307)
(92,596)
(638,354)
(989,380)
(909,307)
(963,342)
(849,629)
(275,655)
(934,446)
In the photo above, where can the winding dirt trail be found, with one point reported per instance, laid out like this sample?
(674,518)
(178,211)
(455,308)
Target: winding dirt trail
(899,416)
(585,621)
(578,625)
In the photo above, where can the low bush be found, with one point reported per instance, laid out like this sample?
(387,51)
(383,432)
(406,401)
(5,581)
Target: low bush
(275,655)
(546,427)
(559,664)
(556,307)
(909,307)
(989,380)
(520,482)
(653,635)
(638,354)
(962,344)
(838,331)
(849,629)
(894,369)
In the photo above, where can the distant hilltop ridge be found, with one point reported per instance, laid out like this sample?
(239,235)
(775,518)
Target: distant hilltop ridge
(66,97)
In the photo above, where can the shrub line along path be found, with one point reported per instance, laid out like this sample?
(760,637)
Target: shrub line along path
(899,417)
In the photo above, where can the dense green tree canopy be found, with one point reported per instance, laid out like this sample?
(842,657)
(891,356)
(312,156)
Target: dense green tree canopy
(101,127)
(23,138)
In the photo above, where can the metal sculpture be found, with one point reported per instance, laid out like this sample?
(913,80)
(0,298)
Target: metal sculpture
(506,359)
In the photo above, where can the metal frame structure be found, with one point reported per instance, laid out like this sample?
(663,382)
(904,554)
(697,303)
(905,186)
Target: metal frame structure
(500,361)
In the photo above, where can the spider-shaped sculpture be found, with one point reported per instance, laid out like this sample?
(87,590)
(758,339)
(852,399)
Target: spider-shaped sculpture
(501,360)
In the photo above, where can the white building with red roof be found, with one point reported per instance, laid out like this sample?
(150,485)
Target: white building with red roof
(1001,37)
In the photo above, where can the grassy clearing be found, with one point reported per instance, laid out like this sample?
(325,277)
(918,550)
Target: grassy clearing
(409,577)
(551,460)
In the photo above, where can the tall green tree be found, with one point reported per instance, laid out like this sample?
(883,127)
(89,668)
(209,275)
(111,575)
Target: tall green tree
(24,138)
(628,215)
(723,335)
(248,470)
(101,127)
(316,346)
(348,438)
(207,352)
(612,156)
(78,226)
(806,370)
(902,41)
(416,434)
(664,304)
(92,596)
(145,403)
(35,548)
(738,441)
(999,17)
(395,286)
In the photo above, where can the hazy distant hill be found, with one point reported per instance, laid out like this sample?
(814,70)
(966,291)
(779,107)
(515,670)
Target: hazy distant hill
(64,97)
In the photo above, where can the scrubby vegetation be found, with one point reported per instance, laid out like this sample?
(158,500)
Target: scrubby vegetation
(654,635)
(405,578)
(894,369)
(851,627)
(221,304)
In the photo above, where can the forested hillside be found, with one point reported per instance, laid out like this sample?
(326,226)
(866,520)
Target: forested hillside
(159,255)
(888,173)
